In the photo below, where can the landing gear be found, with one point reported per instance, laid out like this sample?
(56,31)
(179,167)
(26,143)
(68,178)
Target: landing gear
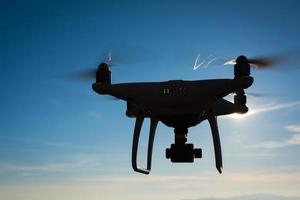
(180,151)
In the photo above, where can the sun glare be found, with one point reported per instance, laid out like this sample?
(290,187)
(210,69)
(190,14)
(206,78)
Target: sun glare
(238,116)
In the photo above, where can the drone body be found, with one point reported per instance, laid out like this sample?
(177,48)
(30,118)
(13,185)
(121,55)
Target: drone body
(180,105)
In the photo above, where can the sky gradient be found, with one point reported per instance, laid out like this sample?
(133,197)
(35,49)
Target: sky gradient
(59,140)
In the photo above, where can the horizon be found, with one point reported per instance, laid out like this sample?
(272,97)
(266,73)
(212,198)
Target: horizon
(59,139)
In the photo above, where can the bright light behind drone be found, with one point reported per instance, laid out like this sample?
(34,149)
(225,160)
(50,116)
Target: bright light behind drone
(266,108)
(238,116)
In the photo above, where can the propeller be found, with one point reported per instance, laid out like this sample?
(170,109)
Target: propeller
(255,94)
(130,57)
(86,74)
(89,74)
(270,61)
(259,62)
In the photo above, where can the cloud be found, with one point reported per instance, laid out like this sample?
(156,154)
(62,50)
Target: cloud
(254,155)
(78,162)
(294,140)
(253,197)
(286,175)
(274,107)
(208,183)
(181,186)
(95,115)
(291,140)
(56,144)
(142,180)
(34,169)
(266,108)
(293,128)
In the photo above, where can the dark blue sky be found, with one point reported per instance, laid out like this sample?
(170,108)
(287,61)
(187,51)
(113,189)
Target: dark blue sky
(52,128)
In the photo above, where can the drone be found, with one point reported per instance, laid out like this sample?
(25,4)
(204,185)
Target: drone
(180,105)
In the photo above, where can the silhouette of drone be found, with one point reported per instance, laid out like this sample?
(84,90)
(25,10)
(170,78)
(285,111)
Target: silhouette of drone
(180,105)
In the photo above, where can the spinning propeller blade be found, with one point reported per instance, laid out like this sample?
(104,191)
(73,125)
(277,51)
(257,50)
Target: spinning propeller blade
(88,74)
(255,94)
(264,62)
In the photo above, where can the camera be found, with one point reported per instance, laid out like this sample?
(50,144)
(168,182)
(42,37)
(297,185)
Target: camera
(183,153)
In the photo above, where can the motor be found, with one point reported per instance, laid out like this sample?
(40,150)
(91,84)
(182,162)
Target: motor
(103,74)
(241,68)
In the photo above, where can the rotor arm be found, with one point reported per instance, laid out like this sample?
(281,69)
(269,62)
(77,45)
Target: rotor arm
(224,107)
(136,135)
(212,119)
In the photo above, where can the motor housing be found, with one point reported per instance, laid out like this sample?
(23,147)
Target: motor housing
(242,67)
(103,74)
(240,98)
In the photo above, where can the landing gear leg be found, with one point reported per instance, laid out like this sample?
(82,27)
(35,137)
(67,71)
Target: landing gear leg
(212,119)
(136,136)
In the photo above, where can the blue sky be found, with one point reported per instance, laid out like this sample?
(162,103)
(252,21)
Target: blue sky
(58,139)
